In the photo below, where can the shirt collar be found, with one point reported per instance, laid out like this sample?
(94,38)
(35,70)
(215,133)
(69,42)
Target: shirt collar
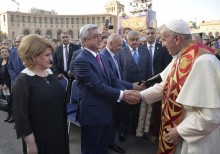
(92,52)
(132,48)
(153,45)
(66,45)
(31,73)
(110,52)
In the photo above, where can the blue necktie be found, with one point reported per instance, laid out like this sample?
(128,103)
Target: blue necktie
(117,66)
(135,56)
(151,59)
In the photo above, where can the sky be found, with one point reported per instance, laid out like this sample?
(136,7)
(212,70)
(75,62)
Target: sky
(188,10)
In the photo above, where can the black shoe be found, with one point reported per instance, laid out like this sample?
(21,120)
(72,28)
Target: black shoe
(145,136)
(116,148)
(8,117)
(11,120)
(122,137)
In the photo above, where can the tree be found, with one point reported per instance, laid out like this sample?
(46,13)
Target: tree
(2,36)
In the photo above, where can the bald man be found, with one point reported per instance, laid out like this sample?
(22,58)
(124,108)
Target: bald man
(113,47)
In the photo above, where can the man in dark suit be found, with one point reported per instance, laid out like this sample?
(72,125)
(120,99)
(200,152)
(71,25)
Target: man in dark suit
(98,88)
(160,58)
(135,63)
(125,32)
(62,56)
(111,50)
(75,54)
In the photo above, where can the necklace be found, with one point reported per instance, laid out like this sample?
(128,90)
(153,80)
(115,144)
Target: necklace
(45,78)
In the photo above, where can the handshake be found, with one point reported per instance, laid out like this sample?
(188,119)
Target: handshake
(131,96)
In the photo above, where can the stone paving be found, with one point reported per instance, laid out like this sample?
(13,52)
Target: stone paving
(10,145)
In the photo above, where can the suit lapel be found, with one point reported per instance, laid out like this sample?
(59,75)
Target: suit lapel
(70,53)
(104,71)
(129,55)
(61,56)
(156,51)
(114,69)
(141,55)
(95,63)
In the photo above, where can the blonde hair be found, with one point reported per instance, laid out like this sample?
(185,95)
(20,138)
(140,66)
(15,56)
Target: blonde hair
(4,47)
(31,46)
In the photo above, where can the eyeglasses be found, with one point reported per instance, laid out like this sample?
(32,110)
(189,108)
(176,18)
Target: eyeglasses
(206,39)
(96,36)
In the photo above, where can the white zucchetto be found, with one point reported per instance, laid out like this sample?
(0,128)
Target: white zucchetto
(178,26)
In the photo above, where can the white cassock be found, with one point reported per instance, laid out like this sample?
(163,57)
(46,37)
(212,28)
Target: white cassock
(200,96)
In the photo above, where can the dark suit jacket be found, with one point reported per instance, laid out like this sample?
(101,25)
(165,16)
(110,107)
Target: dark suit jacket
(124,44)
(15,64)
(131,71)
(4,75)
(161,58)
(127,85)
(97,89)
(75,54)
(58,63)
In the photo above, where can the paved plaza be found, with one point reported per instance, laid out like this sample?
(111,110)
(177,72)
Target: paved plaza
(10,145)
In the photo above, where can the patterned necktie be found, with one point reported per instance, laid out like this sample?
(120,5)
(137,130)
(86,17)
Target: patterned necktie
(99,60)
(151,59)
(135,56)
(117,66)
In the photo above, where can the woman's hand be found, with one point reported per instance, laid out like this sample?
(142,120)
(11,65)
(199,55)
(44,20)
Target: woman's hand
(5,87)
(32,149)
(31,144)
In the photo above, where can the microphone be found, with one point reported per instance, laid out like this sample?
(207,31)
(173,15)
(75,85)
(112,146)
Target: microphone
(155,79)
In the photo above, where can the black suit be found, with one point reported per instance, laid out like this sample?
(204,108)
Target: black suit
(58,61)
(161,59)
(133,72)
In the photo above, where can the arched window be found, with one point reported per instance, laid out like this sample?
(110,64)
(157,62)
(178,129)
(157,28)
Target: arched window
(49,34)
(26,32)
(58,34)
(38,32)
(70,33)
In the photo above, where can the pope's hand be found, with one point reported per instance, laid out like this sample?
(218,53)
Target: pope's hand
(173,136)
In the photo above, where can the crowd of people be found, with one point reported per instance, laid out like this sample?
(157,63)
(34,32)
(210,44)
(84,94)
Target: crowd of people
(164,89)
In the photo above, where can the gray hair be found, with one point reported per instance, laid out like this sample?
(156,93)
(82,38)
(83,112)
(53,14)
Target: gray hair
(185,37)
(84,30)
(132,33)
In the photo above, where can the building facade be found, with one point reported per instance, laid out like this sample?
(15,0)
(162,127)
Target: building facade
(51,25)
(208,27)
